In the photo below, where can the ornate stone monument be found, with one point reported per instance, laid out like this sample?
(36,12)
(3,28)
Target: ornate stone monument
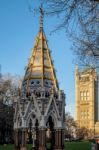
(40,108)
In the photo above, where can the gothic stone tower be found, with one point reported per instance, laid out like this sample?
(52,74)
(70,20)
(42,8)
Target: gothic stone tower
(40,107)
(86,98)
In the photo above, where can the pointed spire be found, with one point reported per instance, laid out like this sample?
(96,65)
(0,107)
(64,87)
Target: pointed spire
(41,17)
(40,71)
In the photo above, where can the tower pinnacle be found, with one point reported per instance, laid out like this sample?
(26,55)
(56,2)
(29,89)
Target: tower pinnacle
(41,17)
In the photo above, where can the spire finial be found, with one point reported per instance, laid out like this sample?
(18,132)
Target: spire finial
(41,17)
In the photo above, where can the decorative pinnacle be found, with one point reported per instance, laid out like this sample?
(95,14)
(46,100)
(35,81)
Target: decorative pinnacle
(41,17)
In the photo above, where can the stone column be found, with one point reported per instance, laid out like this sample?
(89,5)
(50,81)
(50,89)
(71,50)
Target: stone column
(42,139)
(59,139)
(37,139)
(16,142)
(23,140)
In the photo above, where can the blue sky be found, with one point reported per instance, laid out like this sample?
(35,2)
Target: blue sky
(18,30)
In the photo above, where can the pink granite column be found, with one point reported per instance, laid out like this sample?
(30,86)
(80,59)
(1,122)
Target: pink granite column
(23,140)
(59,139)
(16,143)
(42,139)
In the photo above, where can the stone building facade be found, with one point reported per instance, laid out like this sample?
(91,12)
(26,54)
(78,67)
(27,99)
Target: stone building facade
(86,82)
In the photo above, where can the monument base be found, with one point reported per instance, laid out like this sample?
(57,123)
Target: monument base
(23,148)
(58,148)
(41,148)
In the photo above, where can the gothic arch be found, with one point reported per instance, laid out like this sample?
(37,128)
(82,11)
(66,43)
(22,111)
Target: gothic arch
(31,116)
(54,117)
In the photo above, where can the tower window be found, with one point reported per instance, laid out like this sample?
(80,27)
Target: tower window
(81,95)
(84,95)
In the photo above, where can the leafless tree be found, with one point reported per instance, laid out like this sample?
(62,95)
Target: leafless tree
(70,126)
(8,93)
(80,19)
(82,133)
(9,87)
(73,132)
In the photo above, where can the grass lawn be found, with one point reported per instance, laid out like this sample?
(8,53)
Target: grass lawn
(6,147)
(68,146)
(77,146)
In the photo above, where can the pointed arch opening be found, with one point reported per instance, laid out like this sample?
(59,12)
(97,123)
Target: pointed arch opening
(32,126)
(53,115)
(50,133)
